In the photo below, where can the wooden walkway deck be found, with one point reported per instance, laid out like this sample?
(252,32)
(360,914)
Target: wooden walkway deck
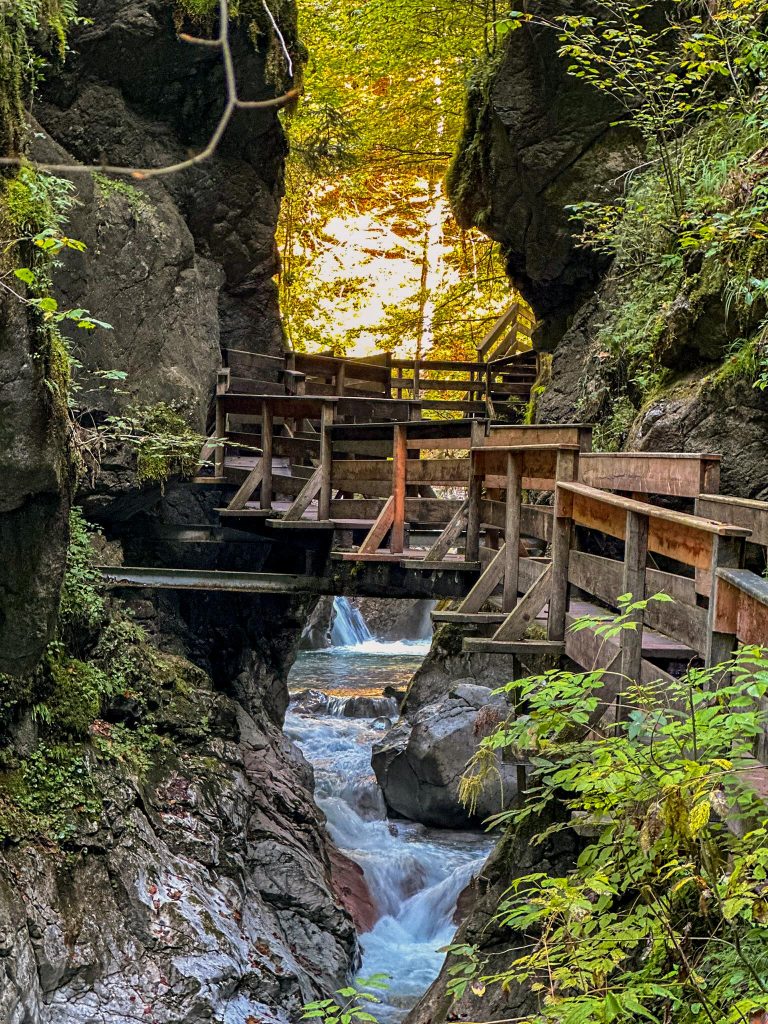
(522,528)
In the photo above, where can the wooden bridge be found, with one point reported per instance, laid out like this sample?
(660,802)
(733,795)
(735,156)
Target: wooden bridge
(524,528)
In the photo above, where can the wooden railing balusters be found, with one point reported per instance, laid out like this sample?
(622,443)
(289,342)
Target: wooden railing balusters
(399,479)
(562,529)
(633,582)
(327,415)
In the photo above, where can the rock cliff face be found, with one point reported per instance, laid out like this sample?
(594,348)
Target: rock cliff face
(34,497)
(537,140)
(183,264)
(198,882)
(202,891)
(643,353)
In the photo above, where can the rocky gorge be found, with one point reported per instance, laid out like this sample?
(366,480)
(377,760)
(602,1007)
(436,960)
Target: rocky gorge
(178,841)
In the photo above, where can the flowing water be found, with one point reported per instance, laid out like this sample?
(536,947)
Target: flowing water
(415,874)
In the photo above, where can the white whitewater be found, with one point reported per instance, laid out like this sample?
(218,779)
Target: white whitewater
(415,874)
(349,627)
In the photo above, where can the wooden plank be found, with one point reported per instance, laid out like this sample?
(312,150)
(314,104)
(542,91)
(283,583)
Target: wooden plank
(266,459)
(645,472)
(450,535)
(603,579)
(727,553)
(591,652)
(347,473)
(309,407)
(328,366)
(497,329)
(562,530)
(469,618)
(327,415)
(252,386)
(426,511)
(442,365)
(476,645)
(399,476)
(437,384)
(533,601)
(541,433)
(745,512)
(308,493)
(742,605)
(247,488)
(478,408)
(685,538)
(486,585)
(512,529)
(443,565)
(252,360)
(379,529)
(633,582)
(536,521)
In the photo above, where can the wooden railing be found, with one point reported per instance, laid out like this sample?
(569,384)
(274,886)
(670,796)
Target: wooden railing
(467,387)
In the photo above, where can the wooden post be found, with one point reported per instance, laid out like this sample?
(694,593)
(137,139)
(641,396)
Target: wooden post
(388,385)
(340,375)
(562,529)
(266,457)
(326,460)
(399,479)
(475,483)
(219,455)
(633,582)
(512,529)
(416,381)
(220,450)
(727,553)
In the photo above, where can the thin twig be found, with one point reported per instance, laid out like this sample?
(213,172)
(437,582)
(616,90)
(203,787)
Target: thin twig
(233,103)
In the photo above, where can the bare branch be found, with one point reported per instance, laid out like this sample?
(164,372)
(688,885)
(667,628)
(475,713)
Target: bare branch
(233,103)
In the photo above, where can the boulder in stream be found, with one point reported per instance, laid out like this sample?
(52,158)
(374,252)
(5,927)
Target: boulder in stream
(419,763)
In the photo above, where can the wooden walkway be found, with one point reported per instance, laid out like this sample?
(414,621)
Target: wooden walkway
(361,476)
(524,528)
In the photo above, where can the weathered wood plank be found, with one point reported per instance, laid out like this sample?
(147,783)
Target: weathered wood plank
(633,582)
(247,487)
(603,579)
(307,495)
(379,529)
(450,535)
(486,585)
(542,433)
(532,602)
(512,529)
(745,512)
(645,472)
(399,476)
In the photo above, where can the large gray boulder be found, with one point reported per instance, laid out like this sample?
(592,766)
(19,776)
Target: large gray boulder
(420,762)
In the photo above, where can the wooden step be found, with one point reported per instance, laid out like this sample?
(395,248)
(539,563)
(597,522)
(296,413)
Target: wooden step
(477,645)
(470,618)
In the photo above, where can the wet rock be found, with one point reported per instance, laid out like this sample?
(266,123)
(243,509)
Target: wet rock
(205,893)
(419,763)
(316,635)
(515,855)
(352,891)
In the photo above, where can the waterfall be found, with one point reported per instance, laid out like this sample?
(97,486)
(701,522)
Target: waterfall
(349,628)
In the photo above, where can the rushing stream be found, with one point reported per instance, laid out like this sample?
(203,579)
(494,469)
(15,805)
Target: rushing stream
(414,874)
